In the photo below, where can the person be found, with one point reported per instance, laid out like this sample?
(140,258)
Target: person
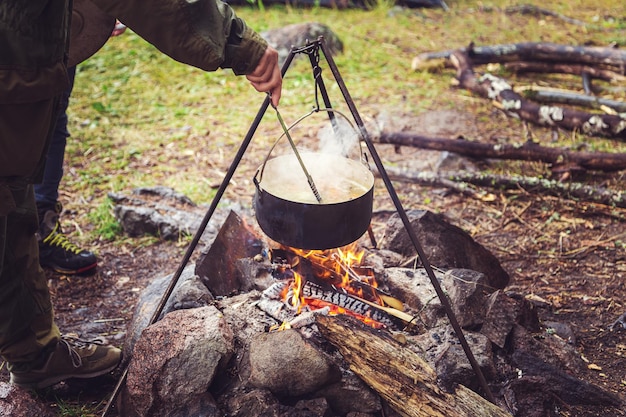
(56,251)
(33,74)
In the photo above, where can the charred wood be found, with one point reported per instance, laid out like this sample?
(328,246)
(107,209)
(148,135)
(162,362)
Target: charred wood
(529,151)
(399,375)
(354,304)
(573,190)
(497,89)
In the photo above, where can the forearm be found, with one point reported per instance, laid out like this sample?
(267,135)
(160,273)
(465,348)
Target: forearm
(206,33)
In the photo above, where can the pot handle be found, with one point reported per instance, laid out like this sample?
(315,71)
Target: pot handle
(314,110)
(257,184)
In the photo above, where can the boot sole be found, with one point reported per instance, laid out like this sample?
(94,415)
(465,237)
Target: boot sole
(45,383)
(80,271)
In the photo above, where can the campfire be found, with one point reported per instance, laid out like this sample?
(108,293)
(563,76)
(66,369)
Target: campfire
(331,282)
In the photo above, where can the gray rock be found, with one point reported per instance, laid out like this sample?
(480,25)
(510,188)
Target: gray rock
(18,402)
(257,402)
(351,395)
(443,351)
(446,246)
(174,362)
(283,39)
(219,267)
(161,211)
(285,364)
(415,289)
(468,292)
(189,292)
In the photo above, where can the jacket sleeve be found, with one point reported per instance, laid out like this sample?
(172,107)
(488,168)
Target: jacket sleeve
(203,33)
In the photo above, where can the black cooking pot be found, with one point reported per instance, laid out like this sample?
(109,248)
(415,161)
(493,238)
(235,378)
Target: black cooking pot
(289,213)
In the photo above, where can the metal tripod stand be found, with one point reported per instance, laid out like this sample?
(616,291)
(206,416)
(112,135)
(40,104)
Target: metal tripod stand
(312,49)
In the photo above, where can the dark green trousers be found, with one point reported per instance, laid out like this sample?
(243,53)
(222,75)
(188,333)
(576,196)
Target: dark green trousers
(26,315)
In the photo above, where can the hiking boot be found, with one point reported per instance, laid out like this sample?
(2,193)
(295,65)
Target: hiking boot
(57,252)
(71,358)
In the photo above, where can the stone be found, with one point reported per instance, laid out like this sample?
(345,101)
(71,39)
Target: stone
(284,363)
(442,349)
(217,267)
(189,292)
(174,363)
(351,395)
(257,402)
(468,292)
(163,212)
(19,402)
(298,34)
(414,288)
(445,245)
(500,316)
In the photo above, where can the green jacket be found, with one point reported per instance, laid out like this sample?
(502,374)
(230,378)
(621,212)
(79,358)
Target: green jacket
(33,41)
(33,51)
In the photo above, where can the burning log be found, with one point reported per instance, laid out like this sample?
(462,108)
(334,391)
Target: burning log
(358,306)
(312,280)
(399,375)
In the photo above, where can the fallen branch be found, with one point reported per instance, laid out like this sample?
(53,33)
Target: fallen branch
(399,375)
(600,57)
(497,89)
(529,151)
(573,190)
(558,68)
(543,95)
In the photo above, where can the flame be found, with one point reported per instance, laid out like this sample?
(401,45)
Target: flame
(340,262)
(329,265)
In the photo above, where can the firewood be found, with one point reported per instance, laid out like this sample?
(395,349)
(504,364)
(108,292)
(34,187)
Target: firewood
(497,89)
(529,151)
(399,375)
(571,69)
(599,57)
(573,190)
(543,95)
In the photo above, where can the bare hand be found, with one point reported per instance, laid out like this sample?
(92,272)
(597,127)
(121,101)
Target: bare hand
(266,77)
(118,29)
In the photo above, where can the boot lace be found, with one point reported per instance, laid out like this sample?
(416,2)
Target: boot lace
(73,344)
(57,238)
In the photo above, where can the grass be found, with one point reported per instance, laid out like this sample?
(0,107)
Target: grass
(139,118)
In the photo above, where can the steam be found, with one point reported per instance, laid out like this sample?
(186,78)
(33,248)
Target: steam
(335,168)
(338,138)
